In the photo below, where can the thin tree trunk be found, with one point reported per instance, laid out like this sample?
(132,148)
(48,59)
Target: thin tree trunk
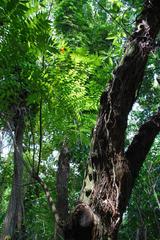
(13,221)
(62,191)
(111,171)
(60,209)
(141,233)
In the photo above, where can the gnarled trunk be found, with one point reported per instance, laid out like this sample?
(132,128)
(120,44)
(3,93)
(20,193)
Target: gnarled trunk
(111,171)
(13,222)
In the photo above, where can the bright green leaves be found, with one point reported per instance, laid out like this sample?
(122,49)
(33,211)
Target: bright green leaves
(115,6)
(73,90)
(12,9)
(40,31)
(69,16)
(24,40)
(63,55)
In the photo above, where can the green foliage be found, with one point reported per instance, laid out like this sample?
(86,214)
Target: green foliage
(60,54)
(39,220)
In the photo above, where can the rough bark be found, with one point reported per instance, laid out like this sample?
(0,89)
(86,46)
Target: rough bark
(13,222)
(111,172)
(62,191)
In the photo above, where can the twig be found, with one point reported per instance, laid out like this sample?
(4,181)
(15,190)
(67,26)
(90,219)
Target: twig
(40,137)
(114,19)
(33,142)
(50,8)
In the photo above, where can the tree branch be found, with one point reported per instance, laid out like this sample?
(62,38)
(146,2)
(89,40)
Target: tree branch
(48,195)
(117,101)
(40,136)
(141,144)
(33,142)
(114,18)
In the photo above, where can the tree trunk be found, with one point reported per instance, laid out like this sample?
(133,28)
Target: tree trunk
(60,210)
(13,222)
(111,171)
(62,191)
(141,233)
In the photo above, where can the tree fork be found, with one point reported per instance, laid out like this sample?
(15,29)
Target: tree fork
(112,172)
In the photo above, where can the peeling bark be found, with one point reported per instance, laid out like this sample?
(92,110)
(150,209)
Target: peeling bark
(112,172)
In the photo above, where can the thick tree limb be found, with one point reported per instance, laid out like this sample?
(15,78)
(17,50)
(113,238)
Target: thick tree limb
(141,144)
